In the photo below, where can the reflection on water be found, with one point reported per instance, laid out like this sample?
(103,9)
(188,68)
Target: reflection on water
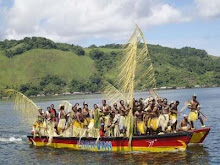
(15,149)
(197,154)
(193,155)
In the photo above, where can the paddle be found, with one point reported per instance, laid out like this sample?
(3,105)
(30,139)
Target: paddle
(205,117)
(185,106)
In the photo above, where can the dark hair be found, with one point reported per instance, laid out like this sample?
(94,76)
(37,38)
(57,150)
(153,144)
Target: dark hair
(177,102)
(62,107)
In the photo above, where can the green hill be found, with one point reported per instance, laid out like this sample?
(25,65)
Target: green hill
(34,64)
(37,65)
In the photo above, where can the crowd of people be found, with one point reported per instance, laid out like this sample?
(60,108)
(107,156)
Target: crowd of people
(150,116)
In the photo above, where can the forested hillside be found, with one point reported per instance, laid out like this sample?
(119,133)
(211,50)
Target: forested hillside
(40,66)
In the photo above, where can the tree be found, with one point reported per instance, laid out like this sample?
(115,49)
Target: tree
(92,46)
(96,54)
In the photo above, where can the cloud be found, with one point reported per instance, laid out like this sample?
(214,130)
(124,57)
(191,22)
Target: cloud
(74,20)
(208,8)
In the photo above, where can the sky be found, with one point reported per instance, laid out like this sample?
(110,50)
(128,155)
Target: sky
(172,23)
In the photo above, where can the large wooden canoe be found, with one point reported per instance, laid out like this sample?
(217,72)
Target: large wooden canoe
(199,135)
(153,143)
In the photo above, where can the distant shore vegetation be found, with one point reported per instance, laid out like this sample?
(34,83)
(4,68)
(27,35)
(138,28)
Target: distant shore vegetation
(37,66)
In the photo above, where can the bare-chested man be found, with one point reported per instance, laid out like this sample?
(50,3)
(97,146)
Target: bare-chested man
(159,104)
(116,117)
(79,118)
(123,109)
(139,115)
(195,112)
(164,116)
(78,124)
(173,115)
(122,112)
(86,116)
(62,120)
(184,124)
(72,114)
(148,112)
(105,108)
(152,124)
(115,108)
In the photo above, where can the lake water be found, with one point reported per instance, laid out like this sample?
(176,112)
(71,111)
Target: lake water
(15,149)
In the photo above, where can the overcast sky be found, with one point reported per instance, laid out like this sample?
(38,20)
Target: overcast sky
(173,23)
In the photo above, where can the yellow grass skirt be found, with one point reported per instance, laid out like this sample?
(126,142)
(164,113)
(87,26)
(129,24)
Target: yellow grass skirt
(86,122)
(153,123)
(141,127)
(91,124)
(38,128)
(173,118)
(193,116)
(61,125)
(76,124)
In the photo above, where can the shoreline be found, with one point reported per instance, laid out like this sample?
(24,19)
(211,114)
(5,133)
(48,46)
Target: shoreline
(97,93)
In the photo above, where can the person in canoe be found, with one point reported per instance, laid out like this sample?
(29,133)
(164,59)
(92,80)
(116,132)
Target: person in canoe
(153,121)
(53,116)
(140,125)
(105,108)
(115,122)
(184,124)
(53,113)
(38,126)
(78,123)
(150,104)
(86,115)
(194,114)
(173,115)
(164,116)
(122,121)
(62,120)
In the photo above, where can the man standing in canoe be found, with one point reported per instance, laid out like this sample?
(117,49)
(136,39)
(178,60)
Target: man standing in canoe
(85,113)
(78,124)
(164,116)
(105,108)
(53,114)
(115,122)
(122,123)
(62,120)
(195,112)
(173,115)
(139,120)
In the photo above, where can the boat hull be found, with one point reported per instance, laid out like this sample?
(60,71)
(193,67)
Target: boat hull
(199,135)
(154,143)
